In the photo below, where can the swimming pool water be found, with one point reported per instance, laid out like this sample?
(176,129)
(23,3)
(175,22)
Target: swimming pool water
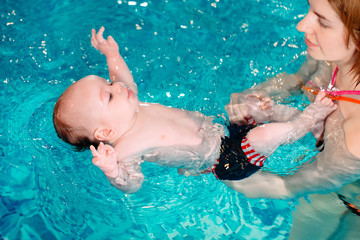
(188,54)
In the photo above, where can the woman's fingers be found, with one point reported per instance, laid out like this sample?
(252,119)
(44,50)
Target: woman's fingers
(237,113)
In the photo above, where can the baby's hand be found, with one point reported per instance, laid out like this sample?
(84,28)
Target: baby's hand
(107,47)
(105,158)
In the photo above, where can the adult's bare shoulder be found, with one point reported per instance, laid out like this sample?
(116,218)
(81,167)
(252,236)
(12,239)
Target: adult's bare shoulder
(322,76)
(352,134)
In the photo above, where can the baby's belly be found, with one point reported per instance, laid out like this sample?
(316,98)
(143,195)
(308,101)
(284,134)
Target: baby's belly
(180,157)
(182,136)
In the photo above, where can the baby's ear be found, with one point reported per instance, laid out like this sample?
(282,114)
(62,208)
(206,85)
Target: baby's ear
(103,134)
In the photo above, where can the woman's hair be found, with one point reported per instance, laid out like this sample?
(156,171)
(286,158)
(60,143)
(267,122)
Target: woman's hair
(71,134)
(349,12)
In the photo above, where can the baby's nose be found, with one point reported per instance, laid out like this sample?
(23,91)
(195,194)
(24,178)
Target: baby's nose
(117,86)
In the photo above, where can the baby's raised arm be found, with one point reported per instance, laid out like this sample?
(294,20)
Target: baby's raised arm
(125,176)
(118,70)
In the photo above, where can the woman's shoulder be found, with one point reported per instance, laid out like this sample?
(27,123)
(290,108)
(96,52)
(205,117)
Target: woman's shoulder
(352,135)
(323,74)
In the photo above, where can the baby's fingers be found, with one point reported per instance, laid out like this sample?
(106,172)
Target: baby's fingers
(93,33)
(101,148)
(93,151)
(107,147)
(96,161)
(99,35)
(109,153)
(94,44)
(112,41)
(93,39)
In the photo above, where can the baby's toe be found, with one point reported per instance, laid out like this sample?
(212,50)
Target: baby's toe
(320,96)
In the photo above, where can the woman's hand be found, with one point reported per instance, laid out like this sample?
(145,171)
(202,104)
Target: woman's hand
(238,109)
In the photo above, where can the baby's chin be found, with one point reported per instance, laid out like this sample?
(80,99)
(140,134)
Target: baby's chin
(135,99)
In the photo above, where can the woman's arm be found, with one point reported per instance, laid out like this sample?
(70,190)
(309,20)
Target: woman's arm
(329,172)
(281,85)
(118,70)
(266,110)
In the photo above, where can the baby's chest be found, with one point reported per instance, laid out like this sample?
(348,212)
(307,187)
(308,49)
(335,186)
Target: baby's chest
(164,137)
(176,134)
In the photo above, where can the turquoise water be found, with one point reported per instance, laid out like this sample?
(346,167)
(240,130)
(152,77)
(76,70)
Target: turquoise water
(188,54)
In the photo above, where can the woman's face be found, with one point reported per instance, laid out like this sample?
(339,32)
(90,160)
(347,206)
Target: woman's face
(325,34)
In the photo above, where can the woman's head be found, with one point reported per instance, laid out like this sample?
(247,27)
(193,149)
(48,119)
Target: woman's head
(331,30)
(93,110)
(349,13)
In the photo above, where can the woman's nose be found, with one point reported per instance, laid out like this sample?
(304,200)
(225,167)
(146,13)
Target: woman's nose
(305,25)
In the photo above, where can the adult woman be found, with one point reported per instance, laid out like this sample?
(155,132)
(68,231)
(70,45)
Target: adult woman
(332,34)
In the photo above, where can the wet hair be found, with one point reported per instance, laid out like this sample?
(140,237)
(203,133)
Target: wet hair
(349,10)
(71,134)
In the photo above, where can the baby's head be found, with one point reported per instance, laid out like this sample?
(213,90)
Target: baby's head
(92,110)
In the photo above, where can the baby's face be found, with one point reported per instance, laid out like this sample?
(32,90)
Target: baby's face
(94,102)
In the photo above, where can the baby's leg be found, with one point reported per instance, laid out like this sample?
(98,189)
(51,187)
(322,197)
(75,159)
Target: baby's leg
(266,138)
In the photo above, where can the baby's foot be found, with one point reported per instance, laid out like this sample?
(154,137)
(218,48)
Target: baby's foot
(318,129)
(320,109)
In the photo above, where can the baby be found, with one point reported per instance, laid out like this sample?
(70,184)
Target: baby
(93,111)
